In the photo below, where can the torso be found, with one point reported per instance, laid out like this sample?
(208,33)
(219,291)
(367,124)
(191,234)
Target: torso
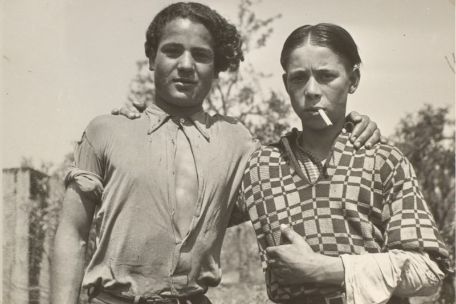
(165,198)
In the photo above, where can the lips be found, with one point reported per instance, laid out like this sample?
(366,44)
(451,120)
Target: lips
(312,109)
(185,81)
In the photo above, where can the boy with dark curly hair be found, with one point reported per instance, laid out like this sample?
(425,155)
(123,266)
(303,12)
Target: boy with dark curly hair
(158,188)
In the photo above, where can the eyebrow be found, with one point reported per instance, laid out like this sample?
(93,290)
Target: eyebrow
(179,45)
(302,70)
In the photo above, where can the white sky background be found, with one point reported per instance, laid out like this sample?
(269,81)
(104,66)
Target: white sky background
(66,61)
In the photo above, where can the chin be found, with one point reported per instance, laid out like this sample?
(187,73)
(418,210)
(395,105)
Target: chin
(315,126)
(186,102)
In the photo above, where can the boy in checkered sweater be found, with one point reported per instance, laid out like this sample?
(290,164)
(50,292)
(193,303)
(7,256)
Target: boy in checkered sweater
(336,224)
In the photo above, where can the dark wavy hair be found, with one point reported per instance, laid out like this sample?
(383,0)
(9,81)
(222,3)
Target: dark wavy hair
(227,40)
(327,35)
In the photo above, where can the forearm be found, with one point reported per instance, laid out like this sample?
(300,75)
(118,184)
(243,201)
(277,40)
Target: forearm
(70,246)
(309,268)
(67,266)
(330,270)
(297,263)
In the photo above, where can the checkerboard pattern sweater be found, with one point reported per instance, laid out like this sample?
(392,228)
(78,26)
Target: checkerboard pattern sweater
(366,201)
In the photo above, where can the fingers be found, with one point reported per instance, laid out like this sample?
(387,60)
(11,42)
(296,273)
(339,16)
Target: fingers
(290,234)
(354,117)
(129,111)
(358,136)
(281,274)
(370,133)
(271,262)
(383,139)
(271,252)
(374,139)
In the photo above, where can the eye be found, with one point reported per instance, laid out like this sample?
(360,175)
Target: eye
(202,55)
(172,51)
(326,76)
(300,77)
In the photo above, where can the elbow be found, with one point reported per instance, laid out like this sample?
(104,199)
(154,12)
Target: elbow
(416,281)
(430,285)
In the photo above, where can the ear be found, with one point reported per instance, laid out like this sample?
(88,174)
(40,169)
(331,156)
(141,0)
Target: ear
(284,79)
(355,77)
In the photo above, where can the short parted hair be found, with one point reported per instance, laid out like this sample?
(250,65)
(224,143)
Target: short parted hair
(227,40)
(327,35)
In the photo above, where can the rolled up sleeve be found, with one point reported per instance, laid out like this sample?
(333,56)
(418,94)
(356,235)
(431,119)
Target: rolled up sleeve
(86,172)
(374,278)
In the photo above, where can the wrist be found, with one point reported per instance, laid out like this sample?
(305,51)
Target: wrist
(331,270)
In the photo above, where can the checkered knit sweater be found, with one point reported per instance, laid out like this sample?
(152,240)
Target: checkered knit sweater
(366,201)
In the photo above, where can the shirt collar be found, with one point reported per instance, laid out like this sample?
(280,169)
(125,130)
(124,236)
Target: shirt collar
(158,117)
(340,146)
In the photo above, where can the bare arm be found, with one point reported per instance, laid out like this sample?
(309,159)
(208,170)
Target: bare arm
(296,263)
(70,245)
(398,272)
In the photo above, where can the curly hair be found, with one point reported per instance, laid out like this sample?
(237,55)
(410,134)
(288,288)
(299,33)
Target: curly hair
(227,40)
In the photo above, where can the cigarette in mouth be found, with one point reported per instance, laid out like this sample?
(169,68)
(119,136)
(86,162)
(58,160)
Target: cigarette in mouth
(325,117)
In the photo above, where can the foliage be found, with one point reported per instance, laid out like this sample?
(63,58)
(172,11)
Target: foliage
(427,139)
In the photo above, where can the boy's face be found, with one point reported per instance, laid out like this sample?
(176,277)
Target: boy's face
(317,78)
(184,64)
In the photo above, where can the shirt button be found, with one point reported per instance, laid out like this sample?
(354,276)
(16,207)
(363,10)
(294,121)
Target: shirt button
(182,121)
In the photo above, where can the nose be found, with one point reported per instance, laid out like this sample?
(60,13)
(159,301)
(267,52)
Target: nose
(312,89)
(186,63)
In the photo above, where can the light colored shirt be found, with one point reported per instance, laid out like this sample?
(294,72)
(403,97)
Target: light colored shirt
(374,278)
(129,165)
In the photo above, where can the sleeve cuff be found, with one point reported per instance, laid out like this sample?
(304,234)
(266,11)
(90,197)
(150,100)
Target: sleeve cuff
(369,272)
(86,181)
(397,272)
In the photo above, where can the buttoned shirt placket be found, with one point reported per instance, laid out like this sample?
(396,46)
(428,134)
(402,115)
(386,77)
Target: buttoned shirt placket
(172,126)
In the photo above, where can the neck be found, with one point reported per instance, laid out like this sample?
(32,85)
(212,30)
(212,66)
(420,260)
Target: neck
(178,111)
(320,142)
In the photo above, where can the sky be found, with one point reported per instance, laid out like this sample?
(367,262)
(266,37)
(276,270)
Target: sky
(66,61)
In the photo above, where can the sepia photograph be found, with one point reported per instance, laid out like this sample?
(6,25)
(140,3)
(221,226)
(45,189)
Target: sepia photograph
(228,152)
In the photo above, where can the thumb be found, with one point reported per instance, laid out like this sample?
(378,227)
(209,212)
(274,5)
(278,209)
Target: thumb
(291,235)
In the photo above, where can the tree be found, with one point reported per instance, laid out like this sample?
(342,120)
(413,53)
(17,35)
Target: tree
(427,139)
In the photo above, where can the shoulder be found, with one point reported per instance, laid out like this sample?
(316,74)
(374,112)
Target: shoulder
(102,122)
(228,124)
(390,161)
(387,153)
(380,152)
(230,131)
(104,126)
(268,154)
